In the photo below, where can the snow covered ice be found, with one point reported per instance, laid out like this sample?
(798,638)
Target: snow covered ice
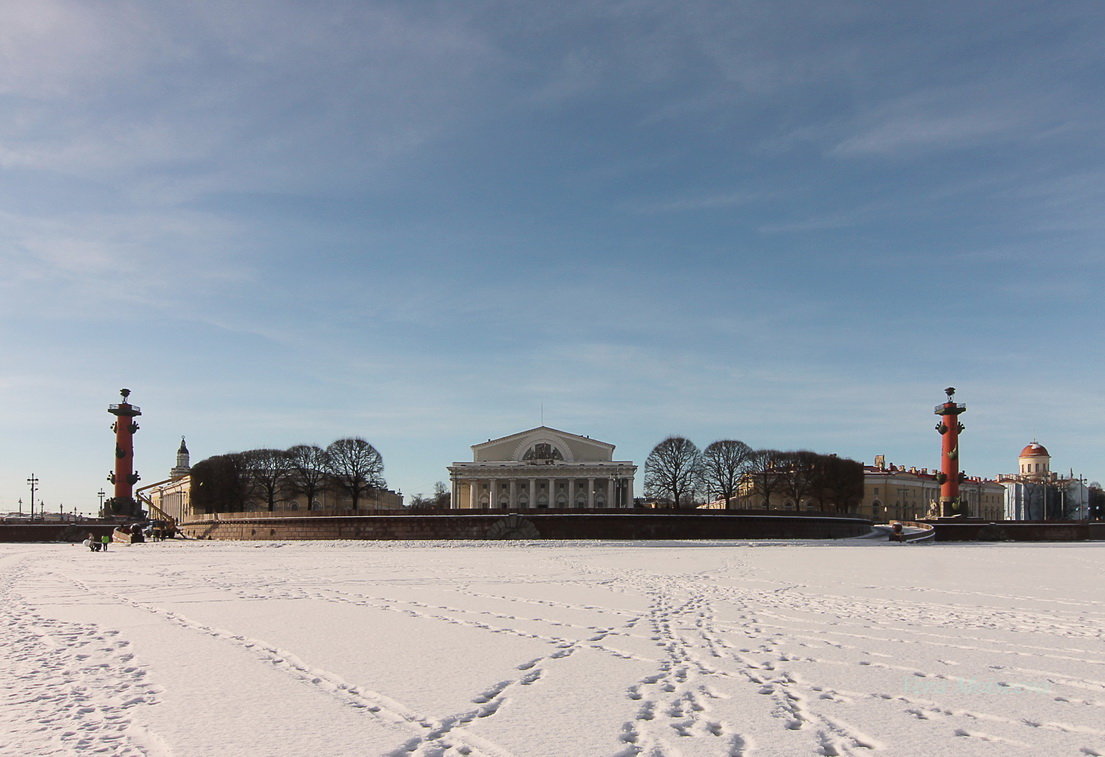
(544,648)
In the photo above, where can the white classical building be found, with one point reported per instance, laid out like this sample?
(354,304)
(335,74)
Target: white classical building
(542,468)
(1035,492)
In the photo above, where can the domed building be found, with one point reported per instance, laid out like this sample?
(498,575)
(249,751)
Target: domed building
(1035,461)
(1035,492)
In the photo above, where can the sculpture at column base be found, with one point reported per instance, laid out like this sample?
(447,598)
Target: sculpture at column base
(121,507)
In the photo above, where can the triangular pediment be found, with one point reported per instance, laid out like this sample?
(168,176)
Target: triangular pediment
(543,441)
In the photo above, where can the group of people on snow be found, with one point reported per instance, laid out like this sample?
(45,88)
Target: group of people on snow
(95,544)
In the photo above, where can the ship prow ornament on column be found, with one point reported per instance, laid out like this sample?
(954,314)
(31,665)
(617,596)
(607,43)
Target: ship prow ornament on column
(124,477)
(950,476)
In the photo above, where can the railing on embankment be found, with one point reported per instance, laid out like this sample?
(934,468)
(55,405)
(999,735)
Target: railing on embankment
(1076,530)
(528,524)
(65,531)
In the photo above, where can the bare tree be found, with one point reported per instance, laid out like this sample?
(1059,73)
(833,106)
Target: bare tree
(307,472)
(442,496)
(800,472)
(439,500)
(765,473)
(418,502)
(355,467)
(673,470)
(268,473)
(837,481)
(723,464)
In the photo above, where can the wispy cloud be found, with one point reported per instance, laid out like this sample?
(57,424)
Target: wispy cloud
(280,97)
(903,132)
(849,217)
(721,200)
(66,264)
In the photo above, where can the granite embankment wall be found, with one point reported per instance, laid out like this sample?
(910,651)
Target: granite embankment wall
(70,532)
(1078,530)
(529,524)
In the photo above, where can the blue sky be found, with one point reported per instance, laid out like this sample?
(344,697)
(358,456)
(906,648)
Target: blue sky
(790,223)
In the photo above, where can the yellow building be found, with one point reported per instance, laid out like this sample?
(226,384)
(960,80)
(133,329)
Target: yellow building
(892,492)
(170,499)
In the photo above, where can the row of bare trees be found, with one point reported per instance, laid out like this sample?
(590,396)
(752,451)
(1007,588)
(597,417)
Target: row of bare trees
(678,473)
(439,500)
(237,481)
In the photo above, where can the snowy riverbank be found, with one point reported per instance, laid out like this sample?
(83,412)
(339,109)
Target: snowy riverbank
(552,648)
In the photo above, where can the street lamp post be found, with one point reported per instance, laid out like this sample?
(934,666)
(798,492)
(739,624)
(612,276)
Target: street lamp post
(34,485)
(101,494)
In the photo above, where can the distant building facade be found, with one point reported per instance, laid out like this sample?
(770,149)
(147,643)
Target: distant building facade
(171,498)
(542,468)
(893,492)
(800,482)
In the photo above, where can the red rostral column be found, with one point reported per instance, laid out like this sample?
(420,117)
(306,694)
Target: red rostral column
(949,476)
(124,476)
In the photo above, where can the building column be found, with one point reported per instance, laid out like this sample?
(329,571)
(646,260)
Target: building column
(610,502)
(590,492)
(492,499)
(629,491)
(474,494)
(571,492)
(513,502)
(533,492)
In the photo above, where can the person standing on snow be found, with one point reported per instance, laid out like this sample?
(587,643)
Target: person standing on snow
(104,541)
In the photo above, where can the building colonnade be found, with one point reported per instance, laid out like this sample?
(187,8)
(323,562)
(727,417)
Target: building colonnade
(555,490)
